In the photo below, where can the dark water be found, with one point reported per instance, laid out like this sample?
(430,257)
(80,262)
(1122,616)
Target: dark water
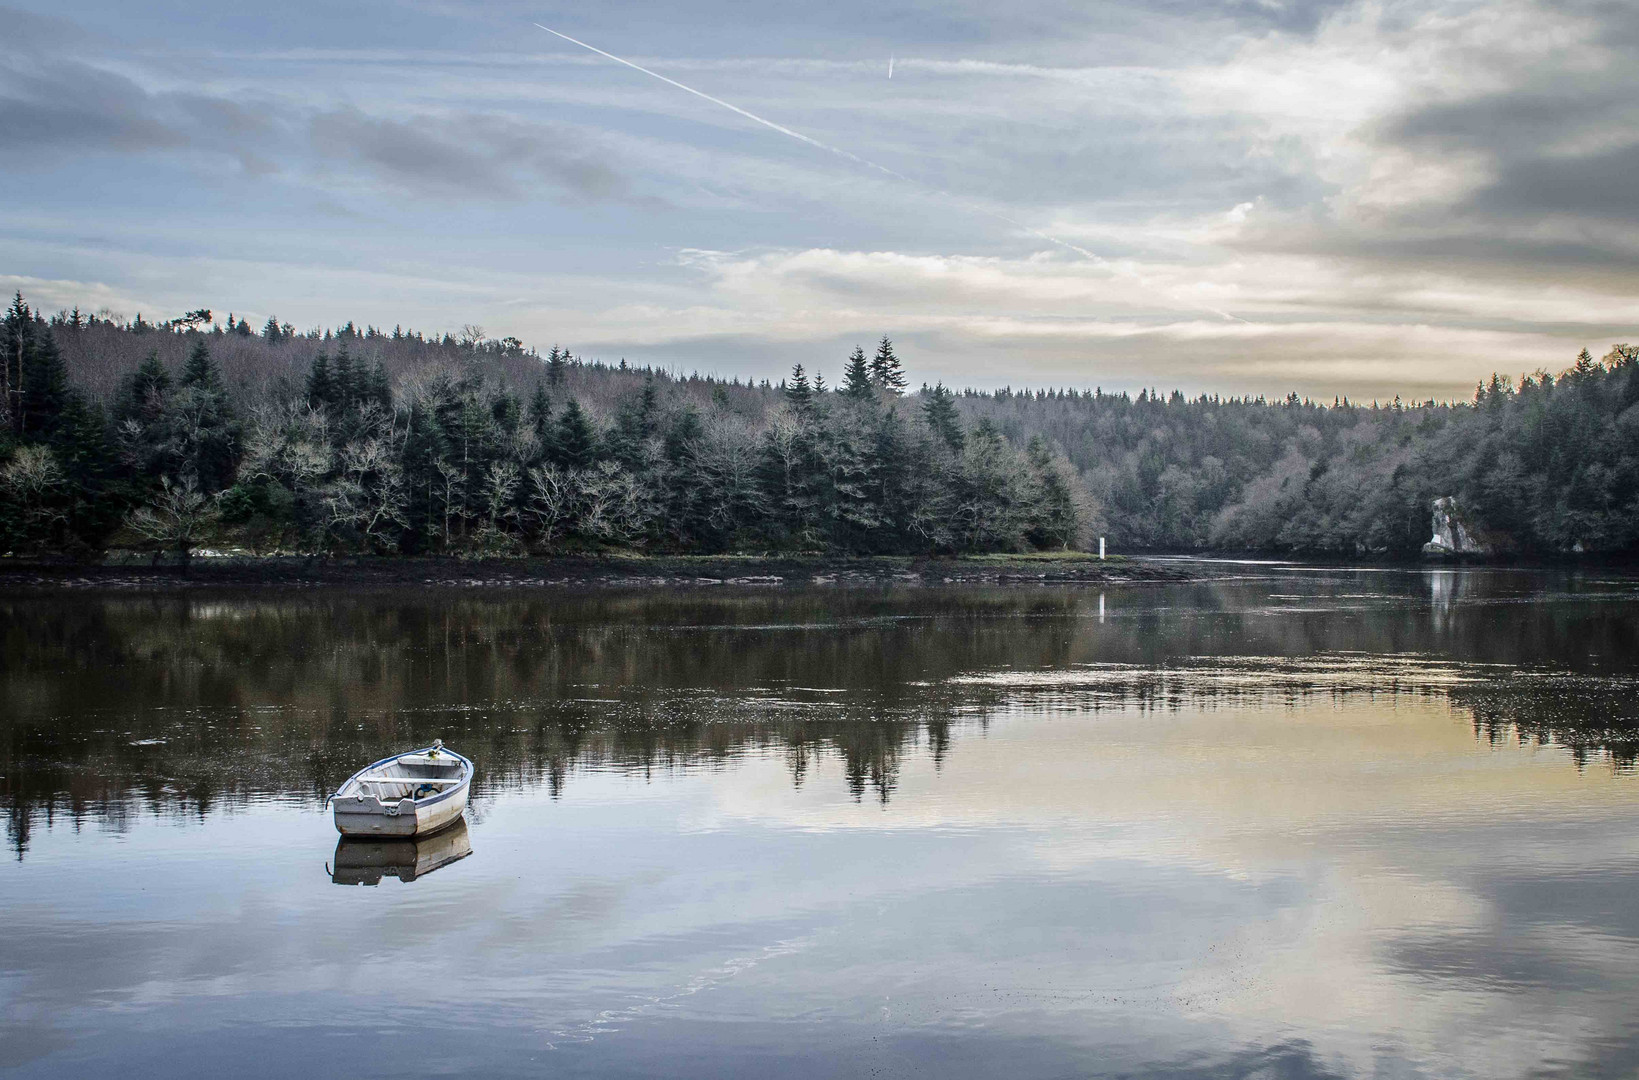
(1288,823)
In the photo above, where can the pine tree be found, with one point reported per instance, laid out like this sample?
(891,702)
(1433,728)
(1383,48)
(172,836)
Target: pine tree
(36,382)
(344,378)
(200,371)
(1052,518)
(797,391)
(374,386)
(320,392)
(856,377)
(886,373)
(144,393)
(556,362)
(200,421)
(95,500)
(939,409)
(271,333)
(850,462)
(540,422)
(636,424)
(577,440)
(507,411)
(424,447)
(890,467)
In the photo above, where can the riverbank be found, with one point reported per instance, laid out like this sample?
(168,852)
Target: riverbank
(612,571)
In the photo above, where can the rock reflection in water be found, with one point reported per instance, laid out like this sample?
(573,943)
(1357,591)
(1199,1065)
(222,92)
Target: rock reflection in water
(366,862)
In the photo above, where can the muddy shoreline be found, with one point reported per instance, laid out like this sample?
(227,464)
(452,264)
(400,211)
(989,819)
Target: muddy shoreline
(613,572)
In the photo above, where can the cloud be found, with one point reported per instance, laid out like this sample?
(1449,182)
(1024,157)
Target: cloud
(54,107)
(65,105)
(1595,186)
(1359,196)
(27,30)
(1558,140)
(45,294)
(1495,139)
(467,154)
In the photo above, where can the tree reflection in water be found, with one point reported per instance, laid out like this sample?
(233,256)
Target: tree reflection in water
(183,704)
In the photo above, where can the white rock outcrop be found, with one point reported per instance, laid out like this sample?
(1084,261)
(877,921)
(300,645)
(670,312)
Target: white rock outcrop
(1453,535)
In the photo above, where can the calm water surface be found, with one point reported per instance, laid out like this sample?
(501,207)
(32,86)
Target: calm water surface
(1286,823)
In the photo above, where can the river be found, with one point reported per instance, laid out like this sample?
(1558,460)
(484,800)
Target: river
(1278,821)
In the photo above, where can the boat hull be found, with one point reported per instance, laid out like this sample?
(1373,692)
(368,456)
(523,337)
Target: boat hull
(377,801)
(370,817)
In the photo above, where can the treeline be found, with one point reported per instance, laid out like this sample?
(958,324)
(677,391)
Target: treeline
(1548,465)
(187,432)
(401,443)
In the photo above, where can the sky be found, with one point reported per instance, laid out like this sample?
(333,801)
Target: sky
(1332,197)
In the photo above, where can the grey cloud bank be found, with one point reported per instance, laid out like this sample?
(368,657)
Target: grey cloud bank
(1345,197)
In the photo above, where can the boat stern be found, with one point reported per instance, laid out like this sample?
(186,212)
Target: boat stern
(366,815)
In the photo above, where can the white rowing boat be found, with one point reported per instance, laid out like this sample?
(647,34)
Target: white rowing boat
(411,794)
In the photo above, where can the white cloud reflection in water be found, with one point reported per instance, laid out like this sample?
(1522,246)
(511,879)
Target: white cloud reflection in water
(1148,846)
(1376,829)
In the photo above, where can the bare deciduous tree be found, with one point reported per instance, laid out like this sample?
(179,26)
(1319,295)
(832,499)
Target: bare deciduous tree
(33,482)
(368,496)
(501,481)
(175,518)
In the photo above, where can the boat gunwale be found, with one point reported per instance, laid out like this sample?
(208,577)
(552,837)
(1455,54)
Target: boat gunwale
(431,800)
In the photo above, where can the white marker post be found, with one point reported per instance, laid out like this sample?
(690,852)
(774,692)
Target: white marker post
(1101,548)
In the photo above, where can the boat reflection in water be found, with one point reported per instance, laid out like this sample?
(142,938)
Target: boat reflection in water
(366,862)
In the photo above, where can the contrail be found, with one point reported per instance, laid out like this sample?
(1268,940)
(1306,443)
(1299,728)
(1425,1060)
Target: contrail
(890,65)
(837,150)
(781,128)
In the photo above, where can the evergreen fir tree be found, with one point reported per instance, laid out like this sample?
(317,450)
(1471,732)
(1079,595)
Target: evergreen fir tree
(556,362)
(319,389)
(687,518)
(577,440)
(1052,519)
(202,425)
(507,411)
(374,386)
(636,424)
(856,377)
(35,381)
(886,373)
(540,414)
(890,466)
(344,390)
(144,393)
(200,371)
(797,391)
(939,409)
(424,447)
(96,500)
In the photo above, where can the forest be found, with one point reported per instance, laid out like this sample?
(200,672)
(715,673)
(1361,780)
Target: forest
(202,433)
